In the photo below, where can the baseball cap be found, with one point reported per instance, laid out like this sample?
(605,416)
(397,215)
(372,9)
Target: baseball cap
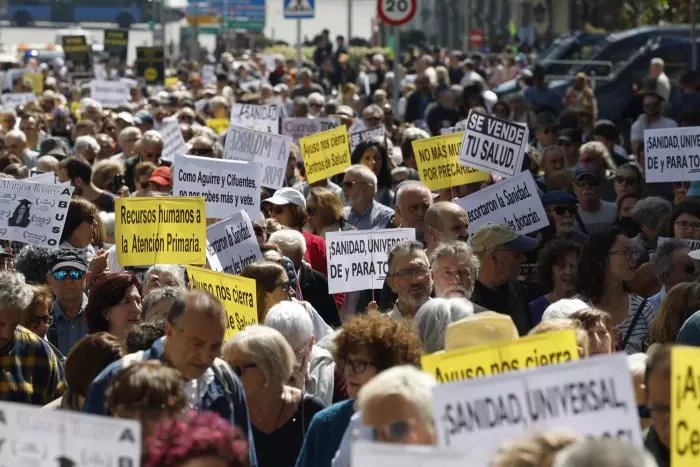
(126,116)
(344,111)
(65,258)
(557,197)
(491,235)
(285,196)
(161,176)
(584,172)
(143,117)
(606,129)
(483,328)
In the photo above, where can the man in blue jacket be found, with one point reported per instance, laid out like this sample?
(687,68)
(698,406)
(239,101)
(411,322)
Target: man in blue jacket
(194,333)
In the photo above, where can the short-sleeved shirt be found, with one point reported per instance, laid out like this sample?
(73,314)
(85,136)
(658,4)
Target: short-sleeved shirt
(600,219)
(641,124)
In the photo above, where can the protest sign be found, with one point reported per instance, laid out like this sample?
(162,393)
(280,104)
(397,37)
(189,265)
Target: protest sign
(297,128)
(67,438)
(150,64)
(45,177)
(672,155)
(271,151)
(528,352)
(438,163)
(258,117)
(685,400)
(593,397)
(219,125)
(160,231)
(692,244)
(226,186)
(209,74)
(111,94)
(514,201)
(493,144)
(37,80)
(372,454)
(376,133)
(232,245)
(448,131)
(116,46)
(15,99)
(33,212)
(325,154)
(238,294)
(251,86)
(357,260)
(78,54)
(173,143)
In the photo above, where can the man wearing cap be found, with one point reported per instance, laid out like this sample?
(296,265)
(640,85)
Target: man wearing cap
(651,119)
(500,252)
(143,121)
(160,180)
(595,213)
(562,209)
(67,279)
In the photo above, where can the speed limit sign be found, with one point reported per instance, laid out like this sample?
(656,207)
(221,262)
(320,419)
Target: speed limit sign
(396,12)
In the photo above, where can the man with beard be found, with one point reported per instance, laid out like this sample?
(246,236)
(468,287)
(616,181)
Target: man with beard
(561,207)
(409,277)
(651,119)
(79,173)
(453,269)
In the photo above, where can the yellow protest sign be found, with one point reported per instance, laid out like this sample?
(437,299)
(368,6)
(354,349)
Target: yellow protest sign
(326,153)
(37,80)
(527,352)
(238,294)
(75,109)
(171,81)
(438,164)
(219,125)
(160,231)
(685,404)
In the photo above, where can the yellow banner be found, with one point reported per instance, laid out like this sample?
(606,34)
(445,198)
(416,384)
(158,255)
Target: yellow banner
(37,80)
(527,352)
(160,231)
(219,125)
(171,81)
(238,294)
(326,153)
(685,402)
(438,164)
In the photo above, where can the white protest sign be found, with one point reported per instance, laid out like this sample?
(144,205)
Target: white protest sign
(448,130)
(269,62)
(46,177)
(357,260)
(130,81)
(493,144)
(15,99)
(271,151)
(67,438)
(209,74)
(111,94)
(514,201)
(232,245)
(371,454)
(376,133)
(33,212)
(672,155)
(173,141)
(258,117)
(251,86)
(227,186)
(692,244)
(594,397)
(299,127)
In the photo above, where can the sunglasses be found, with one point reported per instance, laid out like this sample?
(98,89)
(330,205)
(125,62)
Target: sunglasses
(625,180)
(561,210)
(238,369)
(284,286)
(276,209)
(393,432)
(37,320)
(202,151)
(349,184)
(63,274)
(587,182)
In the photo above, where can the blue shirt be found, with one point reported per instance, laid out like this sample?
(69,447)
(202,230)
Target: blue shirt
(376,216)
(65,332)
(325,434)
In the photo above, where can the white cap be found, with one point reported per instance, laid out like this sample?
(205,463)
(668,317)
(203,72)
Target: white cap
(285,196)
(127,117)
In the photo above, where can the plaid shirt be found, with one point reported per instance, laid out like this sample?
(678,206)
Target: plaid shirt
(31,372)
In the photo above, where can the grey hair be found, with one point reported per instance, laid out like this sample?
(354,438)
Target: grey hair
(293,322)
(89,102)
(460,249)
(374,108)
(607,451)
(662,261)
(365,173)
(85,142)
(404,248)
(316,97)
(177,271)
(156,296)
(288,239)
(126,133)
(153,137)
(305,72)
(598,149)
(549,149)
(405,184)
(47,164)
(434,316)
(651,211)
(637,363)
(413,134)
(16,134)
(107,219)
(14,291)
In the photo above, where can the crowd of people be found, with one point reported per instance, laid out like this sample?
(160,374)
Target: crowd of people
(79,332)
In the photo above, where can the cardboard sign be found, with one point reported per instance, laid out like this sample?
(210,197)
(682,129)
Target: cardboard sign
(15,99)
(594,397)
(78,54)
(227,186)
(219,125)
(692,244)
(685,400)
(514,201)
(209,74)
(357,260)
(238,294)
(160,231)
(232,245)
(116,45)
(493,144)
(150,64)
(111,94)
(258,117)
(173,142)
(325,154)
(527,352)
(37,80)
(438,163)
(378,133)
(297,128)
(67,438)
(672,155)
(372,454)
(271,151)
(49,178)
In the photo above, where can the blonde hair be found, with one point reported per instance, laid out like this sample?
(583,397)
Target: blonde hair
(562,324)
(537,450)
(104,171)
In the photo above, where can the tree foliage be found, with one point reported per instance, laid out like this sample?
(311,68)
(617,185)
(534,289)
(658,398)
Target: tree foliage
(642,12)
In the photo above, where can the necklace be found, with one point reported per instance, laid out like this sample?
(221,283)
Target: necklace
(283,401)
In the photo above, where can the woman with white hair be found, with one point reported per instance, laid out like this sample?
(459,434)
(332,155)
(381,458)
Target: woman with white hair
(434,316)
(163,275)
(280,414)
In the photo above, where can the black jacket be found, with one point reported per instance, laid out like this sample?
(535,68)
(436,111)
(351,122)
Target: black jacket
(314,289)
(510,299)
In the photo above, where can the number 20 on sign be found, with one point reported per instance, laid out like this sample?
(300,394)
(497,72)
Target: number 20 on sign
(396,12)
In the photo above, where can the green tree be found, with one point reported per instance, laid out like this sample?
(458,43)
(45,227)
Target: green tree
(641,12)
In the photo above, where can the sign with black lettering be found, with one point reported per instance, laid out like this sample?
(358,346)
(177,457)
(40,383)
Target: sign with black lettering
(150,64)
(672,155)
(258,117)
(493,144)
(232,244)
(78,54)
(116,45)
(299,127)
(685,400)
(594,397)
(690,243)
(377,133)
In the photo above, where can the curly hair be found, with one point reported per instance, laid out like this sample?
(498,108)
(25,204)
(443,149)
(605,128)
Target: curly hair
(31,262)
(107,292)
(538,450)
(388,342)
(200,434)
(593,262)
(554,252)
(43,297)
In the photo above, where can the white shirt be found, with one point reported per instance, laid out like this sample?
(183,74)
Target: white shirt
(641,124)
(663,86)
(471,77)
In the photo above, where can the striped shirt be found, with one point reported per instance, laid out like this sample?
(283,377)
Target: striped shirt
(375,217)
(639,334)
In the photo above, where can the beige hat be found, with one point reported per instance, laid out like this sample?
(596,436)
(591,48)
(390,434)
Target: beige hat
(487,327)
(491,236)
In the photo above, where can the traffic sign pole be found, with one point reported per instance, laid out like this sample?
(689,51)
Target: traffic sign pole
(397,68)
(299,60)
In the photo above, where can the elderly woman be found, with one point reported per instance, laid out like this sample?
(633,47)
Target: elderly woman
(114,305)
(557,270)
(651,214)
(156,305)
(597,325)
(280,414)
(373,154)
(37,316)
(325,213)
(432,319)
(163,275)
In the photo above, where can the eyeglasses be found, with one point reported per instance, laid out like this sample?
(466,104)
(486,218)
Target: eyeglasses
(625,180)
(413,273)
(37,320)
(629,253)
(284,286)
(561,210)
(587,182)
(394,432)
(357,366)
(685,225)
(63,274)
(238,369)
(347,185)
